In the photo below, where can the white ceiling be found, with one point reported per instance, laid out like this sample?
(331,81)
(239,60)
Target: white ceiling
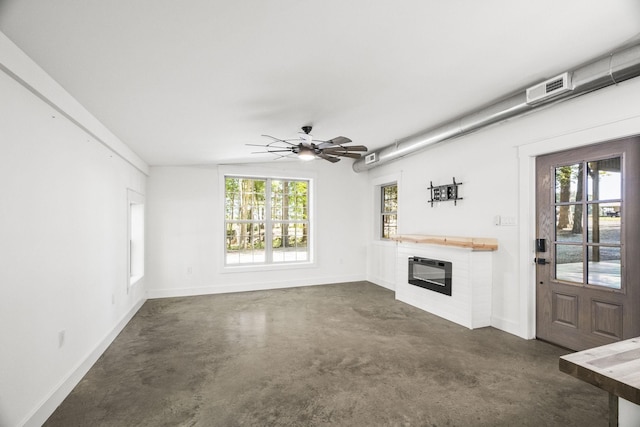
(193,81)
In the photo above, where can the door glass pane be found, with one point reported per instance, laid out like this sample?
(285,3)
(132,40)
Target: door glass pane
(569,263)
(605,179)
(604,223)
(569,223)
(569,183)
(604,266)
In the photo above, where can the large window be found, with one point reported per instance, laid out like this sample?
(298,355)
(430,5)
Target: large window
(266,220)
(389,211)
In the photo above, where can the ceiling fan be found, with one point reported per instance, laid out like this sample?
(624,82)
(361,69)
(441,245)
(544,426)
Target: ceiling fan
(306,148)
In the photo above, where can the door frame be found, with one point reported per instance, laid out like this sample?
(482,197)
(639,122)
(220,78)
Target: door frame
(527,154)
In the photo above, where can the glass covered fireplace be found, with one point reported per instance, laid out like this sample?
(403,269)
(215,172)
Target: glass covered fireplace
(430,274)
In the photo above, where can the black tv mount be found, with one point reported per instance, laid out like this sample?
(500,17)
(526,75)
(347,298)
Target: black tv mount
(445,193)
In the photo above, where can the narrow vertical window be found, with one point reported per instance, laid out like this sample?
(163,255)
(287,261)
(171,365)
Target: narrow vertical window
(136,236)
(388,211)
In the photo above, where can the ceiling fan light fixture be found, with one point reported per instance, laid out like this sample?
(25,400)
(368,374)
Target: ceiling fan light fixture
(306,148)
(306,154)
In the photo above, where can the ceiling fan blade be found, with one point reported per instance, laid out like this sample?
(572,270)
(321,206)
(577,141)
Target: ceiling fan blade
(356,148)
(345,154)
(339,140)
(333,150)
(325,144)
(279,140)
(269,145)
(329,158)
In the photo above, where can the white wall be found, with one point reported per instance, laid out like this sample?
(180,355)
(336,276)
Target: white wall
(63,250)
(186,240)
(494,166)
(63,222)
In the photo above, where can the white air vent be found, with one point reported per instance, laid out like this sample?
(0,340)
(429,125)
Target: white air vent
(549,88)
(370,158)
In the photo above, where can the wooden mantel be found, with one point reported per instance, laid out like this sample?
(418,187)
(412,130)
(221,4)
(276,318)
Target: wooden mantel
(474,243)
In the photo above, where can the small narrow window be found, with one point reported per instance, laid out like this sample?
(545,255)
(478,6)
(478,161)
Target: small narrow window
(136,237)
(388,211)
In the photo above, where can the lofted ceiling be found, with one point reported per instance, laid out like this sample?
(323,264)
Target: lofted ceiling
(193,81)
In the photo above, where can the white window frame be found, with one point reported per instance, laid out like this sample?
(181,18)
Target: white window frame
(267,173)
(135,237)
(378,184)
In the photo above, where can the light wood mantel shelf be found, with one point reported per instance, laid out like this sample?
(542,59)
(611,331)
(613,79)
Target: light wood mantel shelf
(474,243)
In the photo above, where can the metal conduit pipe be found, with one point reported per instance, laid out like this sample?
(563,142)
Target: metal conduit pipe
(619,66)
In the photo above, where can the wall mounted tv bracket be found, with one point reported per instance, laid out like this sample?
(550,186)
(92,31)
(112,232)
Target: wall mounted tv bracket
(444,193)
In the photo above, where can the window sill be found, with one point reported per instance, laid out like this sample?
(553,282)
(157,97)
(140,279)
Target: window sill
(245,268)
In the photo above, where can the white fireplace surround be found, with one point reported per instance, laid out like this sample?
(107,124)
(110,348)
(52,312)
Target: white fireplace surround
(470,302)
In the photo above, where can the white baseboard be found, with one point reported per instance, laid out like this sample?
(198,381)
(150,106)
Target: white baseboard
(381,282)
(507,326)
(44,410)
(246,287)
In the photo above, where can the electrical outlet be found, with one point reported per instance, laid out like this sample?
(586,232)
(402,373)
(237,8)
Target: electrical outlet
(61,338)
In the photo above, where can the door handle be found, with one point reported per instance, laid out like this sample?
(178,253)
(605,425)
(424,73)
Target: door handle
(541,261)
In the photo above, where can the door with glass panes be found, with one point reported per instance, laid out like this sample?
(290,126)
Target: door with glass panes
(588,252)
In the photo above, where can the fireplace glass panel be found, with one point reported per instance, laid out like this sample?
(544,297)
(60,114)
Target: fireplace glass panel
(430,274)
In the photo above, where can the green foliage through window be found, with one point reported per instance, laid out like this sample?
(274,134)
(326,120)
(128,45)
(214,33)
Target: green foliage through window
(266,220)
(389,211)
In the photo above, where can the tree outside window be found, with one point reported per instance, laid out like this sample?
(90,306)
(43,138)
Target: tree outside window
(266,220)
(389,211)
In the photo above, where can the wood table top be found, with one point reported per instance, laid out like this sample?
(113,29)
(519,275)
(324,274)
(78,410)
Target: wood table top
(612,367)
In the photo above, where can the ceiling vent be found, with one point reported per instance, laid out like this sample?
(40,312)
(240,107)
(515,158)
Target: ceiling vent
(549,89)
(370,158)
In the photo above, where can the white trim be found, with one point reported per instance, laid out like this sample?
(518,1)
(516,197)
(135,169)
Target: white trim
(263,171)
(248,268)
(527,207)
(48,405)
(382,282)
(17,65)
(254,286)
(505,325)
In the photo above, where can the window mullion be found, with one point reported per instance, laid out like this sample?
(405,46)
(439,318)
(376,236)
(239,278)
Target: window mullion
(268,232)
(585,222)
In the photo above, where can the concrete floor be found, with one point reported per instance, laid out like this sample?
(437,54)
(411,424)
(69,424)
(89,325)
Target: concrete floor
(344,355)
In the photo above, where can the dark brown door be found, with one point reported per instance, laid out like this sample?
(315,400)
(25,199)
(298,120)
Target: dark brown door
(588,267)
